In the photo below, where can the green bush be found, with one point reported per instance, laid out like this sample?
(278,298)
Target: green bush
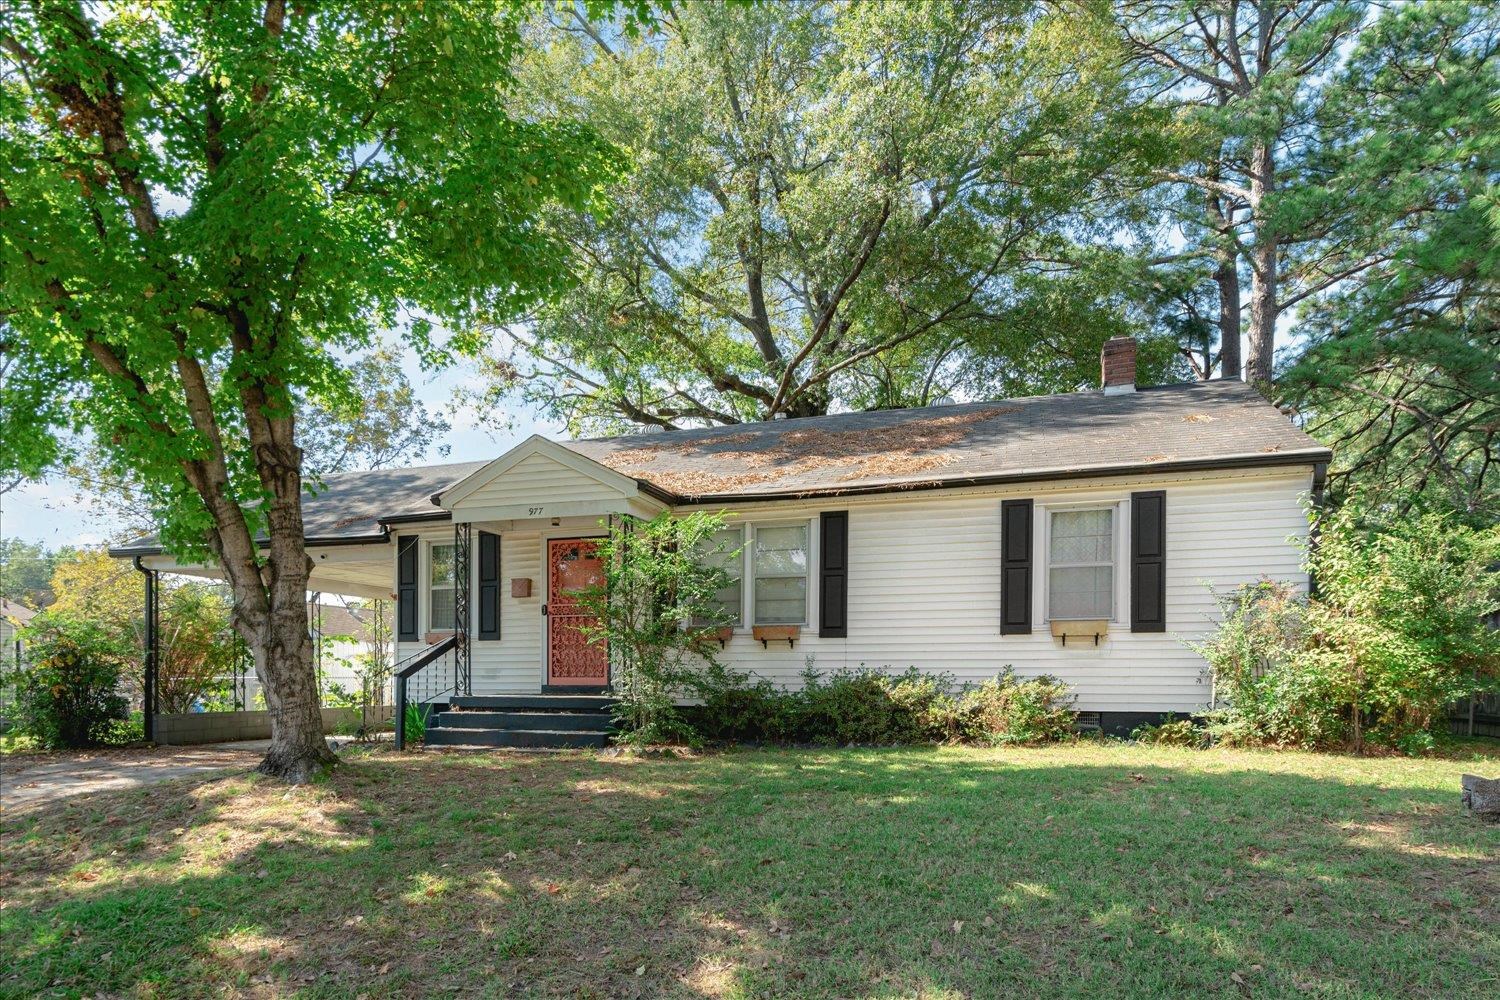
(1171,732)
(1004,710)
(872,707)
(68,696)
(654,611)
(1396,633)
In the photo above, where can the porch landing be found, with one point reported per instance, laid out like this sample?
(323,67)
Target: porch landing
(523,720)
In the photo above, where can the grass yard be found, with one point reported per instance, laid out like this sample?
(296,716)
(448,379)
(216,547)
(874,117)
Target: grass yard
(1070,871)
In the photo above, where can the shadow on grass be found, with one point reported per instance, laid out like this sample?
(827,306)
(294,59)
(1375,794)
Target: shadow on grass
(781,873)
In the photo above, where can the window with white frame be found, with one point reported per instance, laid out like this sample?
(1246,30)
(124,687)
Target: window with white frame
(1081,563)
(778,566)
(440,588)
(724,549)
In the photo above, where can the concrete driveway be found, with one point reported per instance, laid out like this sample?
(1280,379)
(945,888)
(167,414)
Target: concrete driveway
(28,781)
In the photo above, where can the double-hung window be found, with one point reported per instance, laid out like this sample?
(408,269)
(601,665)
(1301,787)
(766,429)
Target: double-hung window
(724,549)
(1081,563)
(440,588)
(778,565)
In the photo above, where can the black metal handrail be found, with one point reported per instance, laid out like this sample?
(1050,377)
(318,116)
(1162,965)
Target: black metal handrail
(418,662)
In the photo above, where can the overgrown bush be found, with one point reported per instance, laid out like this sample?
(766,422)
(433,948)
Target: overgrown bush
(1171,732)
(1396,633)
(69,693)
(872,707)
(658,602)
(1004,710)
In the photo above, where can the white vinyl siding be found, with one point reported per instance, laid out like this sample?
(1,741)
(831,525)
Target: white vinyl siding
(1081,563)
(924,587)
(539,480)
(778,567)
(440,588)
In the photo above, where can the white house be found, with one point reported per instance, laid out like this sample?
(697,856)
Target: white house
(13,618)
(1077,535)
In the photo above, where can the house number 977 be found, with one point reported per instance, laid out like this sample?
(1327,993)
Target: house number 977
(533,511)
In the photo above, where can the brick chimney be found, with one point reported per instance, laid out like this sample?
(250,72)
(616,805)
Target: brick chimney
(1117,365)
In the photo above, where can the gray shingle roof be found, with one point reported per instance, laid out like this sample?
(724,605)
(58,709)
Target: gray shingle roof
(1193,425)
(350,505)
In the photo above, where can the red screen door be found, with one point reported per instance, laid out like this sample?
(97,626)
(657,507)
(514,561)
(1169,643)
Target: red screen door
(573,565)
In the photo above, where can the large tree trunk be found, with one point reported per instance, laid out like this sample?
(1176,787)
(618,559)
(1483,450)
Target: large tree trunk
(1264,262)
(284,654)
(1226,274)
(283,660)
(1227,277)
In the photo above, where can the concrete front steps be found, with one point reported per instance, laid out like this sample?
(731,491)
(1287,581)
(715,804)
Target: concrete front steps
(555,721)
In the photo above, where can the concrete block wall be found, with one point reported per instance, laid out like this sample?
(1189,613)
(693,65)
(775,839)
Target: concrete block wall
(222,727)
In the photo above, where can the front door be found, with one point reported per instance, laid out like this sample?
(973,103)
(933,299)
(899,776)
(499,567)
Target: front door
(573,565)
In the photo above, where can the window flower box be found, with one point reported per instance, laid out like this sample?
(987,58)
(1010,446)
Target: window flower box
(767,634)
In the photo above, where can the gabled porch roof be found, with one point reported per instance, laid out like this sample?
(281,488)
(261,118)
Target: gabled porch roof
(540,478)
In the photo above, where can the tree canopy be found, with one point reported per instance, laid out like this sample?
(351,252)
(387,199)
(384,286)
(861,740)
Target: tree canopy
(205,208)
(830,207)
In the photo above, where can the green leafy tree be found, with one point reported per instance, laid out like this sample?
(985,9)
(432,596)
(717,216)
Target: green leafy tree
(1245,79)
(26,571)
(205,208)
(1399,373)
(1398,630)
(68,694)
(657,610)
(379,424)
(832,206)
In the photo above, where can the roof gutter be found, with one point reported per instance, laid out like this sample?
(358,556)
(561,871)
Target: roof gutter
(650,489)
(310,542)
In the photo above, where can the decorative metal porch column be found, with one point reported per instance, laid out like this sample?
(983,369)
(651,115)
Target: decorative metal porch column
(462,677)
(150,642)
(315,631)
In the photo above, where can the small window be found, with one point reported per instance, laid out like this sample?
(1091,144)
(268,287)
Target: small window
(724,549)
(440,589)
(1080,564)
(779,565)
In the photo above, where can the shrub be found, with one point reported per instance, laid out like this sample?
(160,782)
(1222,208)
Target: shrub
(415,722)
(1004,710)
(659,597)
(873,707)
(860,706)
(69,695)
(1396,633)
(737,709)
(1171,732)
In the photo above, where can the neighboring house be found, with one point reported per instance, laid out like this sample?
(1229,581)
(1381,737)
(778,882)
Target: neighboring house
(1076,535)
(13,618)
(348,640)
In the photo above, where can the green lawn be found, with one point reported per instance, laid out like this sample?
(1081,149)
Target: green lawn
(1071,871)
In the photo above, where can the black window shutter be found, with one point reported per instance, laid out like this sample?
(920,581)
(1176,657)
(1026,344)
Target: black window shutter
(1148,561)
(1015,567)
(833,574)
(489,585)
(406,589)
